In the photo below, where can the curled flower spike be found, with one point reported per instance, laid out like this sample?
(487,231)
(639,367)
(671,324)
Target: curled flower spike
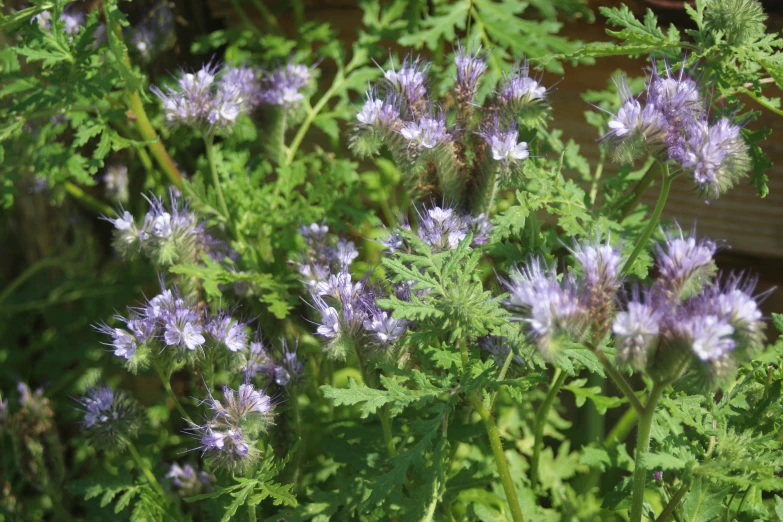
(231,435)
(717,155)
(111,418)
(636,332)
(470,68)
(284,86)
(600,281)
(383,114)
(635,128)
(519,90)
(683,262)
(550,309)
(409,82)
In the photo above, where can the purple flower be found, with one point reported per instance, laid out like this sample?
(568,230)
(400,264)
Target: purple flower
(245,83)
(426,133)
(228,332)
(409,81)
(635,126)
(379,113)
(116,181)
(709,337)
(499,348)
(442,228)
(386,328)
(481,227)
(519,89)
(283,87)
(183,331)
(256,359)
(289,368)
(658,476)
(504,144)
(188,479)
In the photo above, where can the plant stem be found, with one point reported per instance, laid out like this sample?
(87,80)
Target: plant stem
(500,459)
(463,352)
(541,415)
(620,431)
(636,194)
(251,512)
(270,20)
(383,412)
(653,222)
(144,469)
(294,399)
(673,503)
(143,123)
(642,447)
(209,141)
(618,378)
(27,274)
(167,384)
(87,200)
(501,376)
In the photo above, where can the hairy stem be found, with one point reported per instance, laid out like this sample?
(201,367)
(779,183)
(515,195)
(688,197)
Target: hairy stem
(673,503)
(294,399)
(143,123)
(653,222)
(145,470)
(167,384)
(631,200)
(642,447)
(251,513)
(339,79)
(209,142)
(541,415)
(625,424)
(500,459)
(618,378)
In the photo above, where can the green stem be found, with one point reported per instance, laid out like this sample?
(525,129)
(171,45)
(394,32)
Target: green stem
(270,19)
(144,469)
(297,432)
(87,200)
(618,378)
(167,384)
(673,503)
(339,79)
(143,123)
(463,352)
(501,376)
(500,459)
(27,274)
(623,427)
(642,447)
(251,513)
(541,415)
(209,142)
(653,222)
(630,201)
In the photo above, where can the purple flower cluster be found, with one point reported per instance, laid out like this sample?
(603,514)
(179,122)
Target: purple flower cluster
(35,415)
(210,99)
(167,234)
(442,229)
(687,317)
(504,143)
(499,348)
(231,433)
(283,368)
(189,480)
(557,309)
(285,85)
(168,321)
(519,90)
(111,418)
(349,314)
(155,34)
(672,125)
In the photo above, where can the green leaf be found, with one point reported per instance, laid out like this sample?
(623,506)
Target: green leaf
(663,461)
(704,502)
(601,402)
(439,27)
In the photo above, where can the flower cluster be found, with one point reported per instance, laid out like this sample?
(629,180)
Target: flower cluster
(672,125)
(283,368)
(116,181)
(111,418)
(499,349)
(166,234)
(285,86)
(170,322)
(231,433)
(442,229)
(434,142)
(556,309)
(209,99)
(155,34)
(189,480)
(349,315)
(688,317)
(34,416)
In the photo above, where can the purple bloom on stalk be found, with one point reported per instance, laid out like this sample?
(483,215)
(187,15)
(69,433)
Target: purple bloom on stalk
(289,368)
(116,181)
(245,81)
(481,226)
(284,86)
(409,81)
(111,418)
(677,96)
(188,479)
(549,308)
(470,68)
(635,127)
(379,113)
(709,336)
(504,144)
(183,331)
(228,332)
(636,332)
(682,260)
(519,89)
(386,328)
(717,155)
